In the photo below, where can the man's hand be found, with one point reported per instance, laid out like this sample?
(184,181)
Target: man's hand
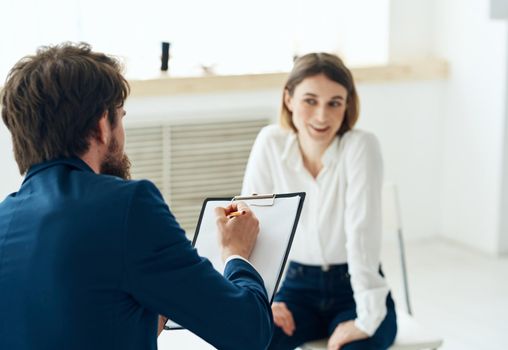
(237,234)
(162,322)
(346,332)
(283,318)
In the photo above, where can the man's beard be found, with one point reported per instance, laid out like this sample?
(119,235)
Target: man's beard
(116,162)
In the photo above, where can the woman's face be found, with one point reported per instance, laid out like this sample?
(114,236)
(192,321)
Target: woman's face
(318,105)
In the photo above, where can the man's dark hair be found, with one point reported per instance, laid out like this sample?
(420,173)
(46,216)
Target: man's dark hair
(52,101)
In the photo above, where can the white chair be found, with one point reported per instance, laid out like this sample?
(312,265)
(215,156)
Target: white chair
(411,335)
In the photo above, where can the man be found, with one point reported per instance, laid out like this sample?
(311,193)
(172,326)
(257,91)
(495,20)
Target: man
(89,260)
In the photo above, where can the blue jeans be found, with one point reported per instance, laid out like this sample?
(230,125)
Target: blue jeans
(320,300)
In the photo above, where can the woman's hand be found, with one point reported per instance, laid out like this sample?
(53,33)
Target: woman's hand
(346,332)
(283,318)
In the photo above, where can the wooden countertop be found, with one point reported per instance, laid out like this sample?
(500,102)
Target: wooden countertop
(424,70)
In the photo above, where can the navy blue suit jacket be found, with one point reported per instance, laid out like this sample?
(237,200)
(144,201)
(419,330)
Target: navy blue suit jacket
(88,261)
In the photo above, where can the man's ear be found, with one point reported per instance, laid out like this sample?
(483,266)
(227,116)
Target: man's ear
(288,100)
(103,129)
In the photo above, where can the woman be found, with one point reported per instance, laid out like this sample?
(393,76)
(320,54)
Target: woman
(334,285)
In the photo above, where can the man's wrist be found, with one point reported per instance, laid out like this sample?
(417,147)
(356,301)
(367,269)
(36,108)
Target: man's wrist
(236,256)
(226,253)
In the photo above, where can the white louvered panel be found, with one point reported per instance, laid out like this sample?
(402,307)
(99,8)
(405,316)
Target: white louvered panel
(218,161)
(208,160)
(203,177)
(144,146)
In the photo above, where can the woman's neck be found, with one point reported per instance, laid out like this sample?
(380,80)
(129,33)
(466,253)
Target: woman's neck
(312,154)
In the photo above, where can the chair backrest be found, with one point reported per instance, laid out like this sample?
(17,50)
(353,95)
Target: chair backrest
(391,209)
(392,222)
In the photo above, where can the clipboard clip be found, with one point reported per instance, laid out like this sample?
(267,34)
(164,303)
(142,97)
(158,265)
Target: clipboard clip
(260,200)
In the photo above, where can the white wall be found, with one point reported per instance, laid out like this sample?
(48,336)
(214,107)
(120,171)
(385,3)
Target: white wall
(472,195)
(407,116)
(474,112)
(503,208)
(10,179)
(499,10)
(411,30)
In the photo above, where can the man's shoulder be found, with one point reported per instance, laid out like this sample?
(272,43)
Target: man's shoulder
(106,186)
(118,184)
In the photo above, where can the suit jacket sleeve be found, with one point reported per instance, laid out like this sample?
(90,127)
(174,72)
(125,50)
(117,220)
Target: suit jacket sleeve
(164,273)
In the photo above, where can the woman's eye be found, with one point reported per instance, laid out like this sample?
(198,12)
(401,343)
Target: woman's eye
(335,104)
(310,101)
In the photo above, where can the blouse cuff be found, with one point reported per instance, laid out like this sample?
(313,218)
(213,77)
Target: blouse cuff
(371,310)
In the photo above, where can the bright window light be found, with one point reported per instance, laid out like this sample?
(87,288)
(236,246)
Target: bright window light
(225,36)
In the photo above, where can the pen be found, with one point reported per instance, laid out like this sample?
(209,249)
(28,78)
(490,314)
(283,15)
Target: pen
(235,214)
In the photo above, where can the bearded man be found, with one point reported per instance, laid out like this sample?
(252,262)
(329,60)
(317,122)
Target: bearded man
(89,259)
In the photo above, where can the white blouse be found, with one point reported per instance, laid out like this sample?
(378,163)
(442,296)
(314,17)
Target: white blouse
(341,217)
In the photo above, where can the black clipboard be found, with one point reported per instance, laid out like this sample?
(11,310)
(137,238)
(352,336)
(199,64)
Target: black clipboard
(278,216)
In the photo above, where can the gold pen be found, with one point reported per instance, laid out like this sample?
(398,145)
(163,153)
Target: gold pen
(235,214)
